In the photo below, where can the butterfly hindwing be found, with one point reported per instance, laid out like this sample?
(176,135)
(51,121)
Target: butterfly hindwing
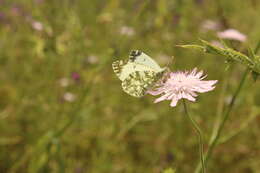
(137,83)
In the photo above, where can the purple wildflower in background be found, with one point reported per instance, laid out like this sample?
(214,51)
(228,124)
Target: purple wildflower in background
(75,76)
(180,85)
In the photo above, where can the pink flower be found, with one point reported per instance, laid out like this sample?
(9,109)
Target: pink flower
(232,34)
(180,85)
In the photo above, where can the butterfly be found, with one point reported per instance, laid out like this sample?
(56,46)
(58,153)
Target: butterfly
(138,74)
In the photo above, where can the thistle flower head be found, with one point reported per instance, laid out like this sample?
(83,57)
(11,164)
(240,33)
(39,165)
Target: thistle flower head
(178,85)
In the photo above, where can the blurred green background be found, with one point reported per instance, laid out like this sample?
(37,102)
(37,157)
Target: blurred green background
(62,108)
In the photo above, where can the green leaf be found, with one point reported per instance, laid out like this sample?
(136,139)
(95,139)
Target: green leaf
(192,46)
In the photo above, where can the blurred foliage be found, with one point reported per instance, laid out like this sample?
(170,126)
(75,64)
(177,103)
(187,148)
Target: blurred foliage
(62,108)
(169,170)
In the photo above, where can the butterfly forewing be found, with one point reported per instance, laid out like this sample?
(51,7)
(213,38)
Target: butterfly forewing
(139,57)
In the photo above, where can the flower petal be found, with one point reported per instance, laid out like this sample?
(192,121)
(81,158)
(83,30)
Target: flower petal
(174,103)
(164,97)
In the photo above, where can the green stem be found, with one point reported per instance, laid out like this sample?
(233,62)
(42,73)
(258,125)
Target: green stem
(221,105)
(198,131)
(215,136)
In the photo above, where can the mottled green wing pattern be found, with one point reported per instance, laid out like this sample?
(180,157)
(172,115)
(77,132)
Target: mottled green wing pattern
(137,83)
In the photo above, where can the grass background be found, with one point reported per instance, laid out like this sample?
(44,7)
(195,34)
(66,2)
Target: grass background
(103,129)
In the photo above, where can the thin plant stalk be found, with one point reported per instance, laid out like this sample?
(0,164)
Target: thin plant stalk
(215,137)
(199,133)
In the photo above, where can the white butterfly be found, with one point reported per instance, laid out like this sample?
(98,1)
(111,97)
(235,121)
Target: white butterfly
(138,74)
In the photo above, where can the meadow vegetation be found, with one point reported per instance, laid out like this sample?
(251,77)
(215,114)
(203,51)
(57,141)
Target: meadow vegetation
(62,108)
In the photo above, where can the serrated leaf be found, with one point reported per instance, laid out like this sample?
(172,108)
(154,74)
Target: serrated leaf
(228,53)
